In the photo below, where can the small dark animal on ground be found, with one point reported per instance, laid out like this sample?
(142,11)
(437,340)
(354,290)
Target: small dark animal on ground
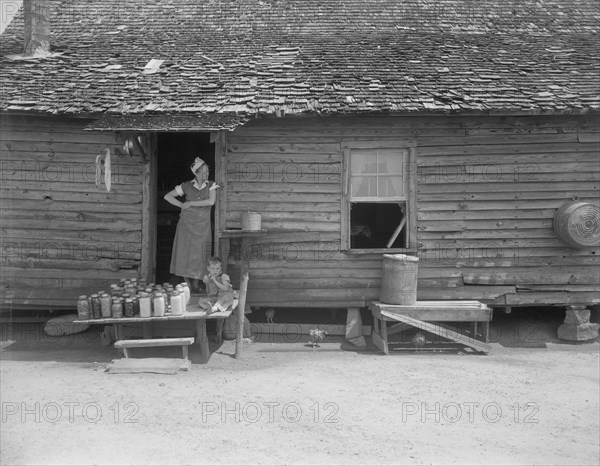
(269,314)
(419,341)
(316,336)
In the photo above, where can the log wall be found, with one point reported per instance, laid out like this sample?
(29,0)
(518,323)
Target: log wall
(61,234)
(488,188)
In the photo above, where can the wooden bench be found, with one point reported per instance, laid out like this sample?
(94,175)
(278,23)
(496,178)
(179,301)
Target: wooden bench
(422,313)
(123,345)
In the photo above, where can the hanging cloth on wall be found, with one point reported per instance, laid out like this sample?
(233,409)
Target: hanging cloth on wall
(107,170)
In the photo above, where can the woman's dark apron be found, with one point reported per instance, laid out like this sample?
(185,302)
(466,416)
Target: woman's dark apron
(192,246)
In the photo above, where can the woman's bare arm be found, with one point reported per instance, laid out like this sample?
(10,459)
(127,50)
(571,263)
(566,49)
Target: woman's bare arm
(205,203)
(171,198)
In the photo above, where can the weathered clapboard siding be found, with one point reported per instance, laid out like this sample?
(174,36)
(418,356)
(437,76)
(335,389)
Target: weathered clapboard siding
(62,234)
(487,191)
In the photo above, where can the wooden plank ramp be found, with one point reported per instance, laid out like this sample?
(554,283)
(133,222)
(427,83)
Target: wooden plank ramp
(439,330)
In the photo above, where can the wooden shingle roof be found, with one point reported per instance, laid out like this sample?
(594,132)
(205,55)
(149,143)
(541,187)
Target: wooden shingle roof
(257,57)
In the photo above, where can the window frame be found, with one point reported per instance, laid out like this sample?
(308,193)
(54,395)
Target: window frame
(410,146)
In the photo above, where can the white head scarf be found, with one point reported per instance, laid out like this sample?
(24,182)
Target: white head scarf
(198,162)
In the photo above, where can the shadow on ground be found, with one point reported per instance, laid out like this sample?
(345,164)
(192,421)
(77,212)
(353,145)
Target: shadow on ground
(523,328)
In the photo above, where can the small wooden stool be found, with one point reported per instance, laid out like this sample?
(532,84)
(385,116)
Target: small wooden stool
(151,342)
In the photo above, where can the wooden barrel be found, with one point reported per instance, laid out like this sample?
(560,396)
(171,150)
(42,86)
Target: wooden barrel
(578,224)
(399,279)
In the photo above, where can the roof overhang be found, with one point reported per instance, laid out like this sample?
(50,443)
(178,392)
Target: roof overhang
(201,122)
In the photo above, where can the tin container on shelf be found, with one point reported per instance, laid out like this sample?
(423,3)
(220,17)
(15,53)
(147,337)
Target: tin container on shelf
(115,290)
(177,303)
(169,294)
(83,308)
(159,304)
(96,308)
(187,292)
(117,308)
(128,307)
(145,305)
(105,305)
(136,305)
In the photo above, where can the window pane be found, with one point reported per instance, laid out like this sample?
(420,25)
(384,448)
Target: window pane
(391,163)
(363,162)
(364,186)
(374,224)
(391,186)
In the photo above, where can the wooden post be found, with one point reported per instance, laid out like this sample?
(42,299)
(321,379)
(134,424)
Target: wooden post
(242,302)
(118,333)
(149,209)
(245,236)
(219,139)
(224,248)
(354,327)
(202,339)
(220,323)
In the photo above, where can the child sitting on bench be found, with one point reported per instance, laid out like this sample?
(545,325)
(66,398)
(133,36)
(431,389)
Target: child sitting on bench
(218,288)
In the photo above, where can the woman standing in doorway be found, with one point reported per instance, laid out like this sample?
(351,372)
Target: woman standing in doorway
(193,239)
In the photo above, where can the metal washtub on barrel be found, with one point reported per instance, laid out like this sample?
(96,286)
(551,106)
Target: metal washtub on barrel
(399,279)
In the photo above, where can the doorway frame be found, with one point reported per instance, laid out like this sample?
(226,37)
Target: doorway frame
(149,206)
(150,201)
(220,140)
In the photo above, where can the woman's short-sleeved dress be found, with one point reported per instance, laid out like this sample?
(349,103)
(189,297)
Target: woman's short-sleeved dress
(192,246)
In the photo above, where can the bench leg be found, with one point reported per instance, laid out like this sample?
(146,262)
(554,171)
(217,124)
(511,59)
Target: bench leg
(184,348)
(384,335)
(379,335)
(106,337)
(202,339)
(125,353)
(220,323)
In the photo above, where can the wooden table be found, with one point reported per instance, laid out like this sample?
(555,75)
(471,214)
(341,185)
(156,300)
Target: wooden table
(192,312)
(420,315)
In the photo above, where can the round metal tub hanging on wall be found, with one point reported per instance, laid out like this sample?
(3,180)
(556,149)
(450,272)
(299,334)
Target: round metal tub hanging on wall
(578,224)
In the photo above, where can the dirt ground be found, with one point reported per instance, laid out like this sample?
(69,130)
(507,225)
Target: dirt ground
(532,400)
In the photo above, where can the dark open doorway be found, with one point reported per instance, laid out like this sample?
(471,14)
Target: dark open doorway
(176,152)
